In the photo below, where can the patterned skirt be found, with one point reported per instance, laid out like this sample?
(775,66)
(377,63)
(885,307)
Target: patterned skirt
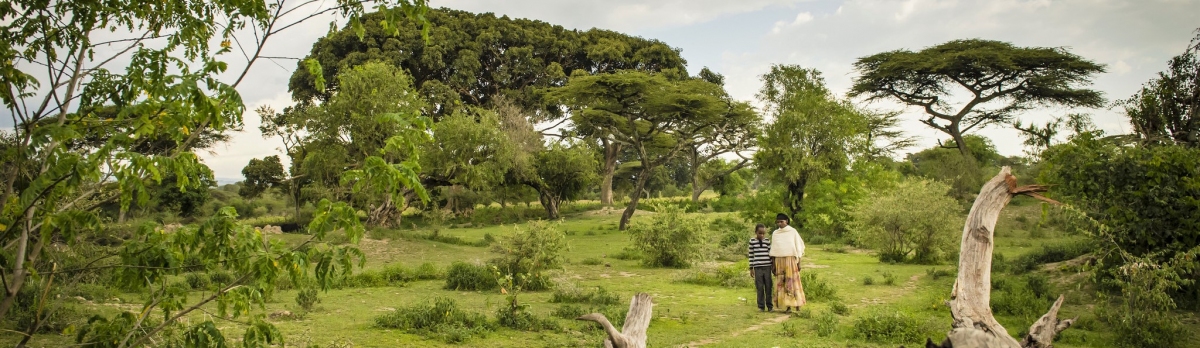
(788,290)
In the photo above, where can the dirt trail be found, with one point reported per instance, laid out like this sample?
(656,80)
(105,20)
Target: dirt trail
(755,327)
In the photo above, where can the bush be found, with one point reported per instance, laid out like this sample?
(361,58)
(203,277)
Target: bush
(889,278)
(525,254)
(817,289)
(220,278)
(868,281)
(628,254)
(826,324)
(913,222)
(92,292)
(888,326)
(804,313)
(427,271)
(1049,254)
(569,311)
(591,261)
(789,329)
(307,298)
(671,238)
(466,276)
(936,274)
(600,296)
(730,276)
(55,316)
(839,308)
(442,319)
(518,317)
(197,281)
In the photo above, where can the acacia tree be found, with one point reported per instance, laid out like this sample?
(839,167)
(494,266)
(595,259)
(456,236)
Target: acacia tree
(735,134)
(1000,80)
(812,135)
(261,175)
(1167,108)
(55,78)
(655,117)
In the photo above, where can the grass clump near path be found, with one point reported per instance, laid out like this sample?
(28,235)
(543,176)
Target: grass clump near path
(441,319)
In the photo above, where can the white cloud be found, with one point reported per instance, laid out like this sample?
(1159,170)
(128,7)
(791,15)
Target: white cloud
(801,18)
(621,15)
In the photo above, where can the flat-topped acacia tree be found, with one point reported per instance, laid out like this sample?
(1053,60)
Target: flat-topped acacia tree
(998,80)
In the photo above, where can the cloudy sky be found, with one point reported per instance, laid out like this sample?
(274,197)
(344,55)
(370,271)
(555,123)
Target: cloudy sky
(742,38)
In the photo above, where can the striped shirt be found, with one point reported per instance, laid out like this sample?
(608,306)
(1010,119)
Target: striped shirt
(759,253)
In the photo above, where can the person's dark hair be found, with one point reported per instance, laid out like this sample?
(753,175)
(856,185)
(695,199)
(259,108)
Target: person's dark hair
(762,226)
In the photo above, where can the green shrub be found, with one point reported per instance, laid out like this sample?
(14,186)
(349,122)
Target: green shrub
(526,253)
(936,274)
(441,319)
(220,278)
(888,326)
(600,296)
(591,261)
(839,308)
(789,329)
(365,279)
(1049,254)
(569,311)
(826,324)
(804,313)
(427,271)
(868,281)
(197,281)
(730,276)
(912,222)
(92,292)
(466,276)
(307,298)
(671,238)
(55,316)
(517,316)
(627,254)
(889,278)
(817,289)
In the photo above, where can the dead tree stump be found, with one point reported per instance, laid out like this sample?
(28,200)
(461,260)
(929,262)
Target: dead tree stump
(970,299)
(633,333)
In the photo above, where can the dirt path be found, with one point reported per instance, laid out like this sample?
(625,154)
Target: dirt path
(752,328)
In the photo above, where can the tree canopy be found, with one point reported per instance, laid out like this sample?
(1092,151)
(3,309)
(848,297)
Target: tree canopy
(999,80)
(812,136)
(1167,108)
(471,59)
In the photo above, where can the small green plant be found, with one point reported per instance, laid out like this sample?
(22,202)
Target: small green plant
(307,298)
(936,274)
(868,281)
(817,289)
(627,254)
(884,326)
(600,296)
(730,276)
(220,278)
(826,324)
(591,261)
(197,281)
(466,276)
(889,279)
(516,316)
(442,319)
(427,271)
(789,329)
(804,313)
(671,238)
(839,308)
(569,311)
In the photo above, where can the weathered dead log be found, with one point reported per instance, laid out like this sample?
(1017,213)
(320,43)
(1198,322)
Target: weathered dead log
(970,299)
(633,333)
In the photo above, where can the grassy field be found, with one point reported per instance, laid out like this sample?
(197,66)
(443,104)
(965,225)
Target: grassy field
(684,314)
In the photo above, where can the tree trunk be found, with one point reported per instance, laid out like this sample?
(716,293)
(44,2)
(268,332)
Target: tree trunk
(551,204)
(795,199)
(637,321)
(611,150)
(958,141)
(970,299)
(643,177)
(696,191)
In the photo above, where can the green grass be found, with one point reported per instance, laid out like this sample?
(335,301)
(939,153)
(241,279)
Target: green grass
(683,313)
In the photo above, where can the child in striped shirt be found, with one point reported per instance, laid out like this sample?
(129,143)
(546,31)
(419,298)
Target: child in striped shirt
(761,267)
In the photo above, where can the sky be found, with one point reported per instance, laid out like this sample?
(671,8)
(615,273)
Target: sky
(742,39)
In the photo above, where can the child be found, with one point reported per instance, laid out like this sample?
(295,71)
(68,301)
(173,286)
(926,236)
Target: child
(760,267)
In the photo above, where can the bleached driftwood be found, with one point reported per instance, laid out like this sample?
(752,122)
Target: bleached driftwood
(633,333)
(970,300)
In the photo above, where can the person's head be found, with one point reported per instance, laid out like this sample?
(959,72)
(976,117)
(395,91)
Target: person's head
(781,220)
(760,231)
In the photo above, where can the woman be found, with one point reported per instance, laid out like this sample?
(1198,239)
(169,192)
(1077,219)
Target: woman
(786,249)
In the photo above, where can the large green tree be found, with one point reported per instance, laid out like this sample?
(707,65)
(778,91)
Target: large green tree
(471,59)
(1167,108)
(58,78)
(812,135)
(261,174)
(656,117)
(735,135)
(995,79)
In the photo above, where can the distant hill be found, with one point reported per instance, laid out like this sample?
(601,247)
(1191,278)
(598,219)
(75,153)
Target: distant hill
(226,181)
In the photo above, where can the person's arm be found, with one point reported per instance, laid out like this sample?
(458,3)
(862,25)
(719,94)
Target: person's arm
(799,249)
(750,257)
